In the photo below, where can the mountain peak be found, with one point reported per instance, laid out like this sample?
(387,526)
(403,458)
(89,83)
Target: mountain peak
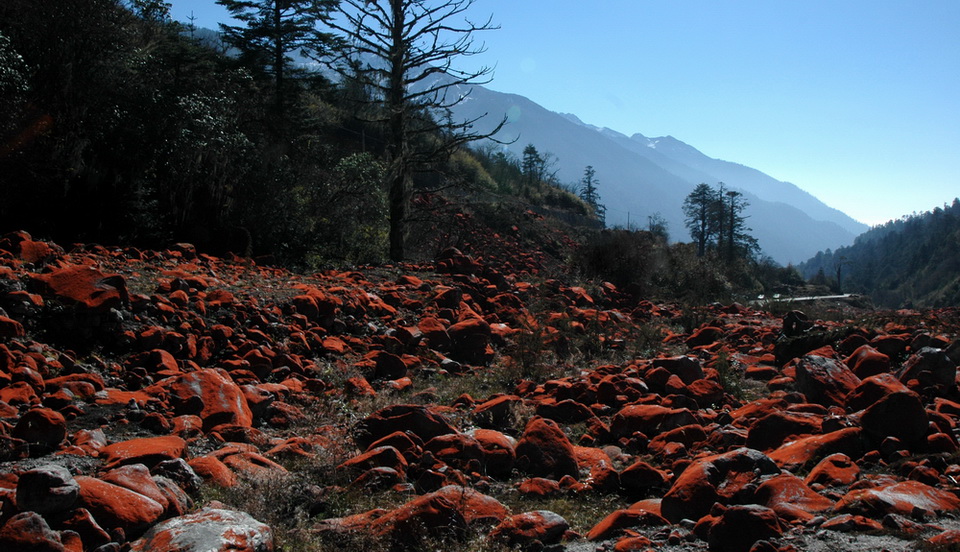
(644,176)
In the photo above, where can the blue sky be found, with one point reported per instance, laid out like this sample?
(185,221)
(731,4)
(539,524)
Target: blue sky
(855,101)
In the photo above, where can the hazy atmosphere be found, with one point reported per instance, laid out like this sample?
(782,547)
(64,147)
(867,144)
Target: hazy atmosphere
(680,276)
(856,102)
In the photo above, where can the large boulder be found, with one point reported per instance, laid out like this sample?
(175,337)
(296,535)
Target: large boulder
(905,498)
(432,515)
(720,478)
(47,489)
(899,415)
(738,528)
(791,498)
(825,380)
(41,426)
(116,507)
(928,367)
(28,532)
(649,419)
(541,526)
(148,451)
(416,419)
(208,393)
(209,530)
(867,361)
(796,454)
(545,451)
(83,286)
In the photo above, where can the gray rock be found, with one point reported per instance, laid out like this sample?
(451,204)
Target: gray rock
(209,530)
(47,489)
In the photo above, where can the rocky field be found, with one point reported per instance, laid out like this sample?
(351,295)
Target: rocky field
(174,401)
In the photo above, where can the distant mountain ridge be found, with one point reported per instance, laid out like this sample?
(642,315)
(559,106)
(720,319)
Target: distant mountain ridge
(640,176)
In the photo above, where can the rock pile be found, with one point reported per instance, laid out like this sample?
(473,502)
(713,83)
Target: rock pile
(130,381)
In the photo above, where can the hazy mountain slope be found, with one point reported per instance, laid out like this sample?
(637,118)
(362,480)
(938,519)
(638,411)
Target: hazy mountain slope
(637,180)
(750,179)
(621,173)
(914,261)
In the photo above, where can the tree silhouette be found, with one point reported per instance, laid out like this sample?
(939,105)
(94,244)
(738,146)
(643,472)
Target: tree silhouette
(406,50)
(715,219)
(275,28)
(589,193)
(698,208)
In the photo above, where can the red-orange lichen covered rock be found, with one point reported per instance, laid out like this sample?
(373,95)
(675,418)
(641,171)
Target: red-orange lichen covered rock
(539,486)
(900,415)
(904,498)
(848,523)
(499,451)
(867,361)
(212,470)
(543,526)
(384,456)
(825,380)
(84,286)
(544,450)
(778,427)
(498,412)
(640,478)
(400,417)
(10,328)
(649,419)
(834,470)
(738,528)
(148,451)
(431,514)
(796,454)
(116,507)
(208,393)
(620,520)
(455,449)
(788,496)
(137,478)
(718,478)
(704,336)
(872,389)
(469,340)
(41,426)
(476,507)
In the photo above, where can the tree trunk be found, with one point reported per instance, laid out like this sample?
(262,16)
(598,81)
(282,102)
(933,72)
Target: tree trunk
(278,55)
(399,173)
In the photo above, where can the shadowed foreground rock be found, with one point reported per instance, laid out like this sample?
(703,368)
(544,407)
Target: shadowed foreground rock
(209,530)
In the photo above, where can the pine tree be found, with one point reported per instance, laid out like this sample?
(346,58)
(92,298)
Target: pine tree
(273,29)
(588,193)
(532,166)
(699,210)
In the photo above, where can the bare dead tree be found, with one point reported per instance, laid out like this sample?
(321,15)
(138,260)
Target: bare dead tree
(406,50)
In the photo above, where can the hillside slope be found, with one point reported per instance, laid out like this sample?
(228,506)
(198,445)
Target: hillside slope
(914,261)
(640,176)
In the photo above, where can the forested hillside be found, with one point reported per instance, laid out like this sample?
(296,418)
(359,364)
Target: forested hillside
(913,261)
(120,126)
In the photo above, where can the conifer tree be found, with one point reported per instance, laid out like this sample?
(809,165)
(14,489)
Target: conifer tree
(590,195)
(532,166)
(698,208)
(273,29)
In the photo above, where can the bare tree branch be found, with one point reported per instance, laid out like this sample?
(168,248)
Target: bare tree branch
(404,50)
